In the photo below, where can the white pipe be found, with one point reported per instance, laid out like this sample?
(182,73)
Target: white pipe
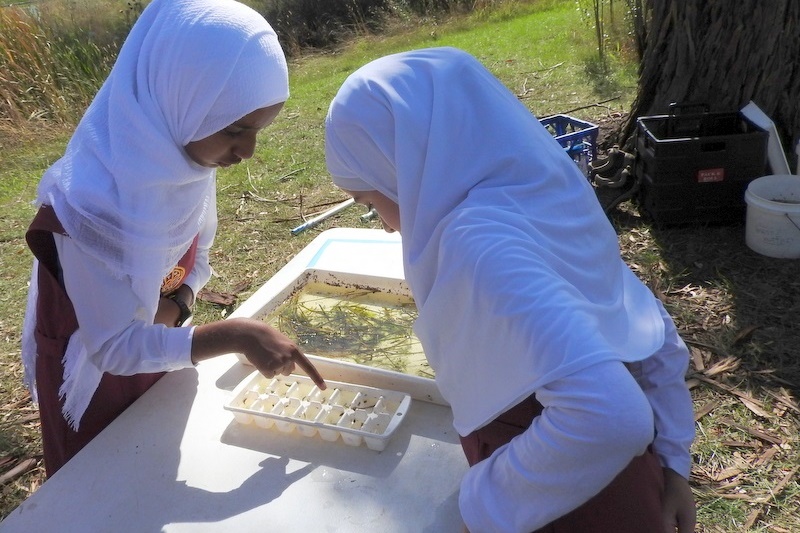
(317,219)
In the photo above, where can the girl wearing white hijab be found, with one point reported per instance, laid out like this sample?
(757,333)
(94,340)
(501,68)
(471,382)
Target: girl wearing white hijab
(128,214)
(563,371)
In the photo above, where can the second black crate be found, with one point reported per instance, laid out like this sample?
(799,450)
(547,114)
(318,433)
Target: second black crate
(695,168)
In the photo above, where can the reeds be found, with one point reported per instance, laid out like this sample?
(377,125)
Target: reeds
(47,73)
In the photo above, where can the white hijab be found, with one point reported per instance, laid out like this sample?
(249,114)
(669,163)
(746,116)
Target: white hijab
(125,190)
(514,267)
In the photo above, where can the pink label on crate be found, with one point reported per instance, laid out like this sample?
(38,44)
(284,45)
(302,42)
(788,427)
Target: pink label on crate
(710,175)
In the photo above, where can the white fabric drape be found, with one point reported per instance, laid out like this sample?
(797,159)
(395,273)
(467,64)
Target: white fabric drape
(125,190)
(514,267)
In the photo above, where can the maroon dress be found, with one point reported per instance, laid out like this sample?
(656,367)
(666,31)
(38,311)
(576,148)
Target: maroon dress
(630,504)
(55,323)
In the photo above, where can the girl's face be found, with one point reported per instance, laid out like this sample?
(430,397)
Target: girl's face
(386,208)
(231,145)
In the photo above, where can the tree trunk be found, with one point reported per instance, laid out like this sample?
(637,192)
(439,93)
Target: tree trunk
(723,54)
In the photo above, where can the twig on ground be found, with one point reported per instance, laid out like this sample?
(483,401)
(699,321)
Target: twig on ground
(20,468)
(692,342)
(21,420)
(744,334)
(525,90)
(289,174)
(596,104)
(751,403)
(756,513)
(753,432)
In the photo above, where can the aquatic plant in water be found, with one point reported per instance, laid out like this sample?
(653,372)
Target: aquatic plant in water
(358,325)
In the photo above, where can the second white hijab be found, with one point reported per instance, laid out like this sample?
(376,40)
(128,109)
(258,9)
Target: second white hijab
(513,265)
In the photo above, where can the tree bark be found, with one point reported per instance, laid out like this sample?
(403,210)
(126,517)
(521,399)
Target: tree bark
(723,54)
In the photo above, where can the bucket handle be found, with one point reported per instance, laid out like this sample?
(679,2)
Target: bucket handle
(792,221)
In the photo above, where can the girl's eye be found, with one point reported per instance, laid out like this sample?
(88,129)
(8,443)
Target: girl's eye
(232,132)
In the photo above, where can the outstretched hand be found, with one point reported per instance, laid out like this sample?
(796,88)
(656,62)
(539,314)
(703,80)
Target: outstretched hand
(267,349)
(272,352)
(678,505)
(310,370)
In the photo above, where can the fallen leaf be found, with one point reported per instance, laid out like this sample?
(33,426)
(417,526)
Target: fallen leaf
(754,408)
(219,298)
(725,365)
(705,409)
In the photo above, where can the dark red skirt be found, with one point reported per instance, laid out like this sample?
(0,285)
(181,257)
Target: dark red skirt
(630,504)
(55,323)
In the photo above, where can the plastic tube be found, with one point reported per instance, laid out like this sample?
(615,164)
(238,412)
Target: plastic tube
(316,220)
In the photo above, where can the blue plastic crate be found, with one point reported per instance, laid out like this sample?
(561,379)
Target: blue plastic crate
(578,137)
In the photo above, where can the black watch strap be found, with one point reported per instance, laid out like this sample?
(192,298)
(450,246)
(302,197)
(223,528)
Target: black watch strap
(186,313)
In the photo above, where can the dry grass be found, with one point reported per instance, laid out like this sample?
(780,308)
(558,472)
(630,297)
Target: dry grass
(737,312)
(47,73)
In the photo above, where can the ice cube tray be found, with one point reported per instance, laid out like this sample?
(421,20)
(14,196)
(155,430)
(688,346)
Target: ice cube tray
(357,413)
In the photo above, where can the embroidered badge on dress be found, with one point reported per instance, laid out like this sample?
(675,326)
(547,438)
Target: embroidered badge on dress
(173,280)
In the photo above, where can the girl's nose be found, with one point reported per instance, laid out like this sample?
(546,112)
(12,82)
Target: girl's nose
(246,147)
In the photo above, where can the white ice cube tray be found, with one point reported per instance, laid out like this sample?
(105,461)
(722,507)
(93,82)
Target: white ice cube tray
(357,413)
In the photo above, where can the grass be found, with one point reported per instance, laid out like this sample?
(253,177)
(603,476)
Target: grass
(736,310)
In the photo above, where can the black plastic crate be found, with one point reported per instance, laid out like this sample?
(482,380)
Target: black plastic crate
(695,168)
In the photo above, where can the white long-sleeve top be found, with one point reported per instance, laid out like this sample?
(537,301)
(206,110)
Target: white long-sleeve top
(588,432)
(118,338)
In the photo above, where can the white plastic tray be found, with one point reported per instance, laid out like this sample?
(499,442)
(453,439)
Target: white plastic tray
(357,413)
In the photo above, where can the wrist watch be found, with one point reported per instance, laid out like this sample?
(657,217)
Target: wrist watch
(186,313)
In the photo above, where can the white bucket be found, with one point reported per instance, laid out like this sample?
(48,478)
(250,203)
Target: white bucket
(773,216)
